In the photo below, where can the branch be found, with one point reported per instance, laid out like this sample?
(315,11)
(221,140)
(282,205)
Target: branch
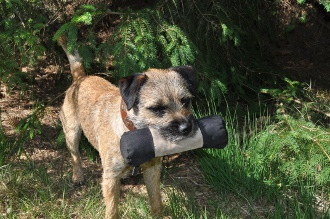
(313,108)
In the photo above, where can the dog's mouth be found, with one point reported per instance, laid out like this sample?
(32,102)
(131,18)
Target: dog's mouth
(179,129)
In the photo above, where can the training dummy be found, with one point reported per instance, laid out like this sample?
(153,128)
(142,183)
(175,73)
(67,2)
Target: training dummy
(141,145)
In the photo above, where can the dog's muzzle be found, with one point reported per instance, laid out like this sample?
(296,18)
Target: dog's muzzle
(179,129)
(183,127)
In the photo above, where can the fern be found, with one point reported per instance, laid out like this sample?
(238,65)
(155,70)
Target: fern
(143,40)
(292,150)
(29,126)
(176,46)
(138,42)
(83,16)
(86,55)
(20,41)
(325,3)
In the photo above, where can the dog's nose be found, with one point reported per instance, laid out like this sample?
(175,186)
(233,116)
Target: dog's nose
(185,127)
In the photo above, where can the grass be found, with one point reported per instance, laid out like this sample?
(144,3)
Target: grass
(244,180)
(30,190)
(258,176)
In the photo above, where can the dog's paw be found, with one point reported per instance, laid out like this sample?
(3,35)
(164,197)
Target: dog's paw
(78,180)
(79,184)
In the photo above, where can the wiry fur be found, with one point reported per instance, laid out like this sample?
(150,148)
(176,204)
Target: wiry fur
(92,105)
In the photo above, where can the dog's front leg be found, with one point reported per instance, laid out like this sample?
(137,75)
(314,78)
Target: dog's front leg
(111,192)
(151,176)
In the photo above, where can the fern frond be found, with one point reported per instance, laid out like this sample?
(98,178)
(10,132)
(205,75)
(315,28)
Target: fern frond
(84,15)
(72,38)
(86,54)
(64,28)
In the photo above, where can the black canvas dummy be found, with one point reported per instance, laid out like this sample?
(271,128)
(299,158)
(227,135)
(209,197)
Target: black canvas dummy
(138,146)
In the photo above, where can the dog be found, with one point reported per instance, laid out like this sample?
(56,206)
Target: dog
(158,98)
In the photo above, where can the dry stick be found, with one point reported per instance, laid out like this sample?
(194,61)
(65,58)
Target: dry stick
(324,151)
(313,108)
(315,141)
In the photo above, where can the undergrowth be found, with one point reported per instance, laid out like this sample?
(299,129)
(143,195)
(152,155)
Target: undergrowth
(209,35)
(282,163)
(279,161)
(26,129)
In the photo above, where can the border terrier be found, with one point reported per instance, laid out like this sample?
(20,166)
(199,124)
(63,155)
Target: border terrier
(156,98)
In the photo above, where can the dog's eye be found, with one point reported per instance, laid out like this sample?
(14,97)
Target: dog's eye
(158,110)
(185,101)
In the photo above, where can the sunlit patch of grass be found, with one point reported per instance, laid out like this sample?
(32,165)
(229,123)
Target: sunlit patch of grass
(251,170)
(27,190)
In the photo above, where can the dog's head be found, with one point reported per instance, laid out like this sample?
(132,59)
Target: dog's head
(161,99)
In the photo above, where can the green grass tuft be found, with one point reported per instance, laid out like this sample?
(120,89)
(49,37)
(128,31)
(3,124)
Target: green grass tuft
(271,169)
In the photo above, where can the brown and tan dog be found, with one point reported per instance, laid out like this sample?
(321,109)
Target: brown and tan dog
(157,98)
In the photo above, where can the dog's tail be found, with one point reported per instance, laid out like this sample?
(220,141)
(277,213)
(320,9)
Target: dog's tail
(76,65)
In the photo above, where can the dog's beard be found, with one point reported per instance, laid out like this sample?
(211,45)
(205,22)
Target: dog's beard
(168,131)
(171,133)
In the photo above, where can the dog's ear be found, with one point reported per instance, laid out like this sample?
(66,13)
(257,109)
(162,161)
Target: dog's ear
(129,88)
(188,74)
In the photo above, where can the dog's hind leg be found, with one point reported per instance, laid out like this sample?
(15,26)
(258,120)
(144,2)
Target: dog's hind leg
(72,131)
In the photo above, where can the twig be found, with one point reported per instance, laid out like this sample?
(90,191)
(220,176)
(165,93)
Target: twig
(324,151)
(313,108)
